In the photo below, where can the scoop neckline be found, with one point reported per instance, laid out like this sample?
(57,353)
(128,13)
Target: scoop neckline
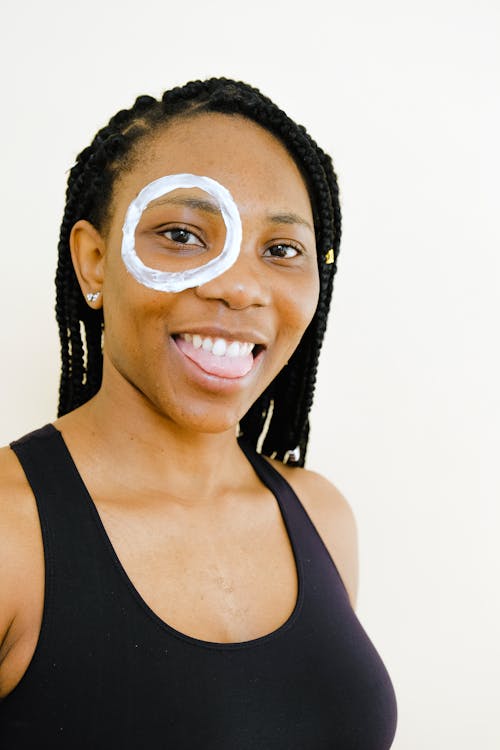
(162,624)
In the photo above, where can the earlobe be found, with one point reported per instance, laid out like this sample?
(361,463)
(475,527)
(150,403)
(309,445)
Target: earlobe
(87,253)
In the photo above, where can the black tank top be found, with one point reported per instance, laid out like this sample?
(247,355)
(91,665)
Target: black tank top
(108,673)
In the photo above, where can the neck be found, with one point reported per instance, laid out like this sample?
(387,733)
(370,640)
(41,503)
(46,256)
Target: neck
(120,428)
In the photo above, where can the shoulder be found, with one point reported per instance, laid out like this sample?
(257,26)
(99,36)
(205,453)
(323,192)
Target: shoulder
(17,513)
(21,549)
(333,518)
(15,492)
(16,500)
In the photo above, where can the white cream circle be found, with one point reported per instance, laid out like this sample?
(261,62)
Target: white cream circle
(166,281)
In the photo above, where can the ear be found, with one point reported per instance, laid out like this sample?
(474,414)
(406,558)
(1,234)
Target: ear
(87,253)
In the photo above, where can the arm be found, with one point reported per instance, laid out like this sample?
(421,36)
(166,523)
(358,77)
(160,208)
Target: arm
(22,570)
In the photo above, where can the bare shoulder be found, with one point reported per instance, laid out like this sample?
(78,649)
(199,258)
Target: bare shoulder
(17,508)
(15,494)
(21,554)
(333,518)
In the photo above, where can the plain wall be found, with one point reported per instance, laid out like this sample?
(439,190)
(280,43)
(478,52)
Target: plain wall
(405,98)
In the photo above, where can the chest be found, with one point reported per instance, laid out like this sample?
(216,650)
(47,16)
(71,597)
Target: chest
(217,576)
(314,682)
(111,670)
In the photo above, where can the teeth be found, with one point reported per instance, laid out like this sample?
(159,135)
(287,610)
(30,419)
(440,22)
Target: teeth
(234,349)
(219,347)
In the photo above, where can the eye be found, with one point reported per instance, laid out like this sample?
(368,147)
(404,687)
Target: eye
(182,236)
(282,250)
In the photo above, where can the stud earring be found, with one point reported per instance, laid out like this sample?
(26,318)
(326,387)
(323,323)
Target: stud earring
(92,296)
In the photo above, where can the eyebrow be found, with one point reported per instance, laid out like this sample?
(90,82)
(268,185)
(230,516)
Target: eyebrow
(285,217)
(289,218)
(198,203)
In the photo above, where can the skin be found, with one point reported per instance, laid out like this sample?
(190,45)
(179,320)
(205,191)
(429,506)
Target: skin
(201,537)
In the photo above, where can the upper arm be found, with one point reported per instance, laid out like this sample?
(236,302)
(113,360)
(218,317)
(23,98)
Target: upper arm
(21,557)
(333,518)
(8,543)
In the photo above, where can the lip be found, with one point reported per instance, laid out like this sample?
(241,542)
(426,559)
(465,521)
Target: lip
(241,334)
(205,380)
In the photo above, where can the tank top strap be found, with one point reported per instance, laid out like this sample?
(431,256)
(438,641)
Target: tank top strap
(56,485)
(269,476)
(313,559)
(69,532)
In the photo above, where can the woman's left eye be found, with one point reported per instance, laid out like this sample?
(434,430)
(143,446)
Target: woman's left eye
(281,250)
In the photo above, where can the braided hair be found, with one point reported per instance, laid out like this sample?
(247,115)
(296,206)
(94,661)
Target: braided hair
(278,421)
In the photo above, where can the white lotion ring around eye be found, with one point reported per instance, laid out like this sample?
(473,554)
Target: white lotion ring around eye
(166,281)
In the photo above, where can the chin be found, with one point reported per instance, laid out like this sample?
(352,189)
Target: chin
(211,418)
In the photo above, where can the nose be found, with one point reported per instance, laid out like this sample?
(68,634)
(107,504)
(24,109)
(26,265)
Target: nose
(243,285)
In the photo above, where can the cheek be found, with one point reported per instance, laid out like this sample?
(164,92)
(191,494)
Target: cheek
(312,297)
(307,296)
(134,316)
(298,306)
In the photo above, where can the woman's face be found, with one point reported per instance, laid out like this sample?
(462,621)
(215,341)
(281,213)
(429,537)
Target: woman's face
(167,349)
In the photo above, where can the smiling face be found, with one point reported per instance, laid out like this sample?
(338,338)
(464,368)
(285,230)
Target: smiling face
(202,356)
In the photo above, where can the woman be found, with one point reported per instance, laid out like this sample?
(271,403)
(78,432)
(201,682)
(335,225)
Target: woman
(163,585)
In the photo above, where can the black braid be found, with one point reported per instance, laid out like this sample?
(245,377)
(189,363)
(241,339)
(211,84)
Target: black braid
(88,196)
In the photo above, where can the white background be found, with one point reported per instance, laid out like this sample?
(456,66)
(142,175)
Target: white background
(405,98)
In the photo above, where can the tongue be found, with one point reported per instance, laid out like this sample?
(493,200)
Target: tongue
(225,367)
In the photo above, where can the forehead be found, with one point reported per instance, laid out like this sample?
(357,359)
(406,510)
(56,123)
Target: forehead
(248,160)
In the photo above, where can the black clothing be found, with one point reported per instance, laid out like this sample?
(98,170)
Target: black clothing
(108,673)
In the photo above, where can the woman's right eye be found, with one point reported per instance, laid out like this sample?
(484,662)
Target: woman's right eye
(182,236)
